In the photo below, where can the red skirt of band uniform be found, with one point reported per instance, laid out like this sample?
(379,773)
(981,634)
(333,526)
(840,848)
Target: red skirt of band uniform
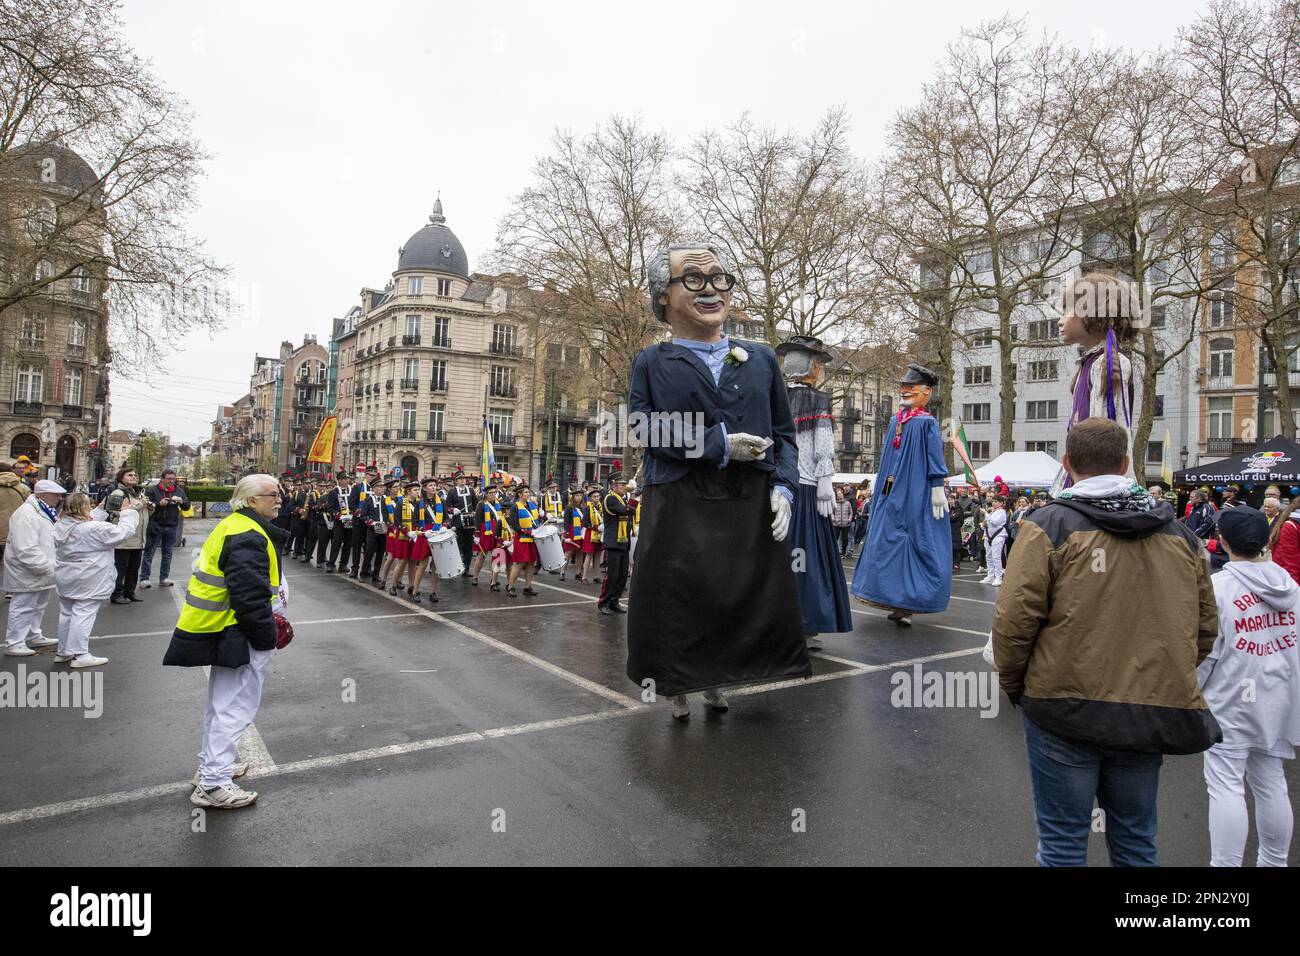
(420,548)
(525,552)
(485,543)
(590,547)
(398,547)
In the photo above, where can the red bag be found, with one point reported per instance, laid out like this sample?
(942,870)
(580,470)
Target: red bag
(283,632)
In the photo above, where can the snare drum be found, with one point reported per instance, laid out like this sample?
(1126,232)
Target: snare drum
(549,547)
(446,553)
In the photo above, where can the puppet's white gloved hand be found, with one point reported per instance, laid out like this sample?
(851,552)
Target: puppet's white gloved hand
(780,508)
(743,447)
(938,502)
(825,496)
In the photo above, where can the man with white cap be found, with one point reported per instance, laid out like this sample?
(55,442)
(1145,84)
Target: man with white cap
(29,568)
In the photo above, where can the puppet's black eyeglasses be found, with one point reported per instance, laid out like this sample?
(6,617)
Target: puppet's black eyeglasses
(696,281)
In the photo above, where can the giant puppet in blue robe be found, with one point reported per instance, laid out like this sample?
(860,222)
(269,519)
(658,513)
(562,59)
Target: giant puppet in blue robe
(906,562)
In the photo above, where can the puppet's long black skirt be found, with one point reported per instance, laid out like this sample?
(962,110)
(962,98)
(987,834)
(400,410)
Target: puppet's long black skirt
(713,600)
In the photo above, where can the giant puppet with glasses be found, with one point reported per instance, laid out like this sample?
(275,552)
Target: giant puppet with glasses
(713,600)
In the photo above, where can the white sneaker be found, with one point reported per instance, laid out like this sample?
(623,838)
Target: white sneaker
(88,660)
(166,583)
(42,642)
(714,700)
(236,772)
(681,707)
(19,650)
(986,580)
(146,585)
(231,797)
(997,583)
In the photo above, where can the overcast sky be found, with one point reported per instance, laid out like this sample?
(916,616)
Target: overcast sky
(334,125)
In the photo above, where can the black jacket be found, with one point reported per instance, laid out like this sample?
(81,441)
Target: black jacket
(468,505)
(617,517)
(166,516)
(244,563)
(1202,520)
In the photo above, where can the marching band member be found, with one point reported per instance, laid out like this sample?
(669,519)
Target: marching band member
(321,523)
(299,524)
(575,532)
(523,516)
(360,502)
(430,515)
(591,541)
(340,512)
(399,514)
(284,514)
(380,532)
(618,540)
(463,503)
(491,535)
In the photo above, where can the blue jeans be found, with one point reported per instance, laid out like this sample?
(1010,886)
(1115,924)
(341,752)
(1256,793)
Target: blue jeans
(153,535)
(1067,776)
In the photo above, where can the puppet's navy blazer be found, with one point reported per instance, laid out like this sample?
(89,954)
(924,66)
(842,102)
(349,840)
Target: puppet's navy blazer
(750,397)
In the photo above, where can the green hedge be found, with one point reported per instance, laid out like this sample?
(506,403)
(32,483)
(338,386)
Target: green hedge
(210,492)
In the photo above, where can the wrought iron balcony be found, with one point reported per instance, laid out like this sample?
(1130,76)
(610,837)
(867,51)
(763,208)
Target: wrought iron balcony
(500,348)
(440,342)
(406,434)
(437,386)
(410,340)
(1227,446)
(410,384)
(437,436)
(392,340)
(851,414)
(504,440)
(504,391)
(851,446)
(73,411)
(359,391)
(31,409)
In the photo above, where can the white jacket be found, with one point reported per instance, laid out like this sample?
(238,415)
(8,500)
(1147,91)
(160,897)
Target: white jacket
(84,568)
(29,555)
(1251,678)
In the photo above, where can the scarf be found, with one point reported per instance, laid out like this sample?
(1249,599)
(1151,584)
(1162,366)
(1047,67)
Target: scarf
(1111,493)
(47,511)
(905,415)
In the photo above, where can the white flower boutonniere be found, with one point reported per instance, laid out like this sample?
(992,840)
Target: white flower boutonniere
(737,356)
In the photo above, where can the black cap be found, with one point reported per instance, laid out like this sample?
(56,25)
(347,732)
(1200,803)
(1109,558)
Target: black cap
(804,343)
(342,474)
(615,476)
(919,375)
(1244,529)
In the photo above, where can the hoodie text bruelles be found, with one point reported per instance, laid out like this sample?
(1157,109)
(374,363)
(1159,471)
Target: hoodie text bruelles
(1251,678)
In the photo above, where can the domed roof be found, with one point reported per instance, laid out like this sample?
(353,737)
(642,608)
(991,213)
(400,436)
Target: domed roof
(435,247)
(39,161)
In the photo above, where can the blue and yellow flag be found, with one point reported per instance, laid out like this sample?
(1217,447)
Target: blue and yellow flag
(488,461)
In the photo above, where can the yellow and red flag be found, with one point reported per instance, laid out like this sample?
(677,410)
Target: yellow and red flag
(322,449)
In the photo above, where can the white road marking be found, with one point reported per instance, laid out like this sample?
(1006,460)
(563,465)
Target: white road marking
(434,671)
(512,607)
(577,594)
(971,600)
(589,685)
(331,620)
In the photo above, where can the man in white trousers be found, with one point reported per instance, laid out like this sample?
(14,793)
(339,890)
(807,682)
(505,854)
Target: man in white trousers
(995,537)
(229,624)
(29,568)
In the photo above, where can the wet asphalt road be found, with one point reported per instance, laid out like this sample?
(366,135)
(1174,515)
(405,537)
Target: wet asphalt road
(504,731)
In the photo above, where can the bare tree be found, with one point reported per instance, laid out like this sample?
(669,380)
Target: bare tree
(994,134)
(598,209)
(1142,173)
(1245,59)
(789,212)
(74,91)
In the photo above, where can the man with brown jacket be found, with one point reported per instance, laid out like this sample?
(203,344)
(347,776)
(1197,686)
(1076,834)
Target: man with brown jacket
(13,492)
(1101,654)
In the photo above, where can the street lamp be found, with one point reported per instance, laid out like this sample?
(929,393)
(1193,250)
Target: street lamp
(1182,454)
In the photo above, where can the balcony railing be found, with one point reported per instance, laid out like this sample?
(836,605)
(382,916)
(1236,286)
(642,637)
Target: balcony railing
(410,340)
(32,409)
(1220,382)
(437,436)
(410,384)
(406,434)
(359,391)
(1226,446)
(504,391)
(73,411)
(504,440)
(851,414)
(1292,378)
(388,385)
(513,351)
(27,344)
(443,342)
(851,446)
(392,340)
(437,386)
(385,434)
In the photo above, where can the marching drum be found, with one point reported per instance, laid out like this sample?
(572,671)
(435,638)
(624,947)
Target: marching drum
(446,553)
(549,547)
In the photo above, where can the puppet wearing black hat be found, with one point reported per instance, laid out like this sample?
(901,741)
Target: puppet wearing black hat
(823,596)
(905,565)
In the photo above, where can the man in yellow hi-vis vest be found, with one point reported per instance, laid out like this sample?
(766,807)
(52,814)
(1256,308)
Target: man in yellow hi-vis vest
(228,623)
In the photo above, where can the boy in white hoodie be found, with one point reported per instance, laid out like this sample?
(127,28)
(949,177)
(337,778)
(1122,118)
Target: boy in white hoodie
(1251,682)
